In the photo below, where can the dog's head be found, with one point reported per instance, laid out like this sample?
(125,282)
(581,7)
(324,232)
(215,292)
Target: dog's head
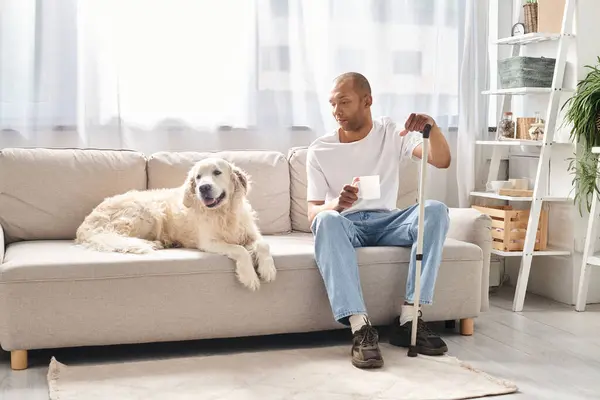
(213,183)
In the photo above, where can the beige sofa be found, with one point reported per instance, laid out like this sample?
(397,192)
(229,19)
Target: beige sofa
(55,294)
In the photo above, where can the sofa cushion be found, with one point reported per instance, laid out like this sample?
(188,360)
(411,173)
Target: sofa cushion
(46,193)
(62,260)
(270,181)
(407,190)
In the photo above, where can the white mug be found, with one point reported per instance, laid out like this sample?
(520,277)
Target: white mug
(368,187)
(520,183)
(495,186)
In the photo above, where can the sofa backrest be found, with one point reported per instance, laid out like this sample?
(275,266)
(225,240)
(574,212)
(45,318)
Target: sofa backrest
(46,193)
(407,190)
(269,176)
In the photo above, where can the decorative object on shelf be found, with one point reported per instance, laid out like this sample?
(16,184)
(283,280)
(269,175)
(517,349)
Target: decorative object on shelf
(519,183)
(536,130)
(522,71)
(496,186)
(530,12)
(523,125)
(584,115)
(518,29)
(549,15)
(506,127)
(510,226)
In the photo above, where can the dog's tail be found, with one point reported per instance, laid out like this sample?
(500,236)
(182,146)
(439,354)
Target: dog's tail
(114,242)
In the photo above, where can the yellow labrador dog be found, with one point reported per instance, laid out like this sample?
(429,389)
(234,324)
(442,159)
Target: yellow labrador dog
(209,212)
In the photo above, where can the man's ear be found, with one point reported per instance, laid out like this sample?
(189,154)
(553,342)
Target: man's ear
(368,100)
(242,180)
(189,188)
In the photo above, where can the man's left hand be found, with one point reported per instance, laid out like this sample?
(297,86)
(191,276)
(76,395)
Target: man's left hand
(417,122)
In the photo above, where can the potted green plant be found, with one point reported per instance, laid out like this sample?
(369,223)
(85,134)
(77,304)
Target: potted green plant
(584,115)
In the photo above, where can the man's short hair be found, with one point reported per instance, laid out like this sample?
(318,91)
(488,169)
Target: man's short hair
(359,82)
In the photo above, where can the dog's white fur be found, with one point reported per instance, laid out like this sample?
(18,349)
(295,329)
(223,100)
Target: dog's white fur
(143,221)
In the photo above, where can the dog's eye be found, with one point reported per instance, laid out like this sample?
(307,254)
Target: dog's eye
(198,176)
(217,172)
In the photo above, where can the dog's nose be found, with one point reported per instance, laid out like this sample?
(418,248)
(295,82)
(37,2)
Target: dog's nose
(204,189)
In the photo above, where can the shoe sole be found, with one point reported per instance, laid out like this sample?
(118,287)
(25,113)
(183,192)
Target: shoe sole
(368,364)
(423,350)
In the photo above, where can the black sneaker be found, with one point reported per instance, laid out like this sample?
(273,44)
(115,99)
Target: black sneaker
(428,342)
(365,348)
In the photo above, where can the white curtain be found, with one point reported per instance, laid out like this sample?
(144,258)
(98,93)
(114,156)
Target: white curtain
(202,75)
(473,112)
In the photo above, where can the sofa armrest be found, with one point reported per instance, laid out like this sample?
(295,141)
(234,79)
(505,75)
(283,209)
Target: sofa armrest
(1,244)
(470,225)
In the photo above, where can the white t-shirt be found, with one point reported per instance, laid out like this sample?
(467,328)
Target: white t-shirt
(331,165)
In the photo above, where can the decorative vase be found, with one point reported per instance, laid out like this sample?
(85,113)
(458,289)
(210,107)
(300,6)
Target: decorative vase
(536,131)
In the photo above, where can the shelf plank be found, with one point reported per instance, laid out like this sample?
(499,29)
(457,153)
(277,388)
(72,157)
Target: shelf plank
(529,38)
(518,91)
(594,260)
(493,195)
(523,91)
(496,196)
(518,142)
(547,252)
(510,142)
(558,199)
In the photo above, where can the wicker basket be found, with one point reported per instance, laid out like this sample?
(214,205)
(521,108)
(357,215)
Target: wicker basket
(526,72)
(530,12)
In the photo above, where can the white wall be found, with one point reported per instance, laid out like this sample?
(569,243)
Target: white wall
(557,277)
(588,50)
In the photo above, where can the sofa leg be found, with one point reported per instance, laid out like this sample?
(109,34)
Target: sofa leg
(467,326)
(18,360)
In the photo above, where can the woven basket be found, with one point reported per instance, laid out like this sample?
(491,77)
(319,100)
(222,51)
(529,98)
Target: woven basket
(526,72)
(530,12)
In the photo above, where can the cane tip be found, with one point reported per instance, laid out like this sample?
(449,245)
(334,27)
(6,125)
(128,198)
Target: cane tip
(412,351)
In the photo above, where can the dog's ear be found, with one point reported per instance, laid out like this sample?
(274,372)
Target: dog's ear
(189,188)
(241,178)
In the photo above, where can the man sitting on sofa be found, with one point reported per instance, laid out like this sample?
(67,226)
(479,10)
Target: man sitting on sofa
(341,220)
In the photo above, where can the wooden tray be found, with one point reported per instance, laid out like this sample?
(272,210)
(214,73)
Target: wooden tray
(516,192)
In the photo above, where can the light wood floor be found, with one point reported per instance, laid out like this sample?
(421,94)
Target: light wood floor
(549,350)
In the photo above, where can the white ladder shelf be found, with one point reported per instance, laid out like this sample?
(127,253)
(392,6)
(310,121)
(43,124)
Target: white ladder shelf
(540,191)
(589,258)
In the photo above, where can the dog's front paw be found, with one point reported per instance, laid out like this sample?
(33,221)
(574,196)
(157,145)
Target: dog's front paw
(247,275)
(266,269)
(138,248)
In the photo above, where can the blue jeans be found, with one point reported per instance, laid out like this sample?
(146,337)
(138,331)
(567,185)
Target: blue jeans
(337,236)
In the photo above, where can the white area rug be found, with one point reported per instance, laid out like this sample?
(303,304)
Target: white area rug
(303,374)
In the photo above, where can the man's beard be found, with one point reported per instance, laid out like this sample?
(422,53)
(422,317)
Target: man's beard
(352,125)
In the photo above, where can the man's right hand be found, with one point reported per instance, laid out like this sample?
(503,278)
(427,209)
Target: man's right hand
(347,197)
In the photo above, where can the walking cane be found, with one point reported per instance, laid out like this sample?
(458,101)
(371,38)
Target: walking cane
(412,350)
